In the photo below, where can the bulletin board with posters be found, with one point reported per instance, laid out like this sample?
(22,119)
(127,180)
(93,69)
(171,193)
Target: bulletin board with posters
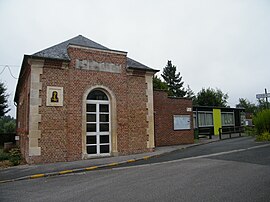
(181,122)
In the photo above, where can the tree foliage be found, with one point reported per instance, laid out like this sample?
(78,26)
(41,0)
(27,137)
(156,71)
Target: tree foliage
(211,97)
(262,104)
(158,84)
(173,81)
(190,94)
(7,124)
(249,107)
(3,100)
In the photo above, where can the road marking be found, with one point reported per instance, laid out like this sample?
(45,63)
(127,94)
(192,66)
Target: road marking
(196,157)
(221,153)
(131,160)
(91,168)
(113,164)
(146,157)
(65,172)
(37,176)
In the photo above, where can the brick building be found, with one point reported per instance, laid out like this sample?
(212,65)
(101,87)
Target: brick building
(79,99)
(173,120)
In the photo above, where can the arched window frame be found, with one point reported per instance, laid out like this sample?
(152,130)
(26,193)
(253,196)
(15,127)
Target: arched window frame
(97,95)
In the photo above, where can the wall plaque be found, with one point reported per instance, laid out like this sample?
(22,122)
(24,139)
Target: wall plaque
(54,96)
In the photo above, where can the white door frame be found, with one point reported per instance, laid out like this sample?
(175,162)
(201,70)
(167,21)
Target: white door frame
(98,133)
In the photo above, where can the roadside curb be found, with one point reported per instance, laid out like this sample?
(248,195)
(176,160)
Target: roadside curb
(78,170)
(97,167)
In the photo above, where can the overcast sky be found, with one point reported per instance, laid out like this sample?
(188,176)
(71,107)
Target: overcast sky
(221,44)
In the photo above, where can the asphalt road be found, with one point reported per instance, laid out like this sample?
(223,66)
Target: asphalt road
(207,149)
(231,170)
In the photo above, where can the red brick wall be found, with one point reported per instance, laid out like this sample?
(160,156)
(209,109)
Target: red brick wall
(61,127)
(53,123)
(137,140)
(164,109)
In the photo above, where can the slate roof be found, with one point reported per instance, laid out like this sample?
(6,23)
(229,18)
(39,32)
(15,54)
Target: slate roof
(59,51)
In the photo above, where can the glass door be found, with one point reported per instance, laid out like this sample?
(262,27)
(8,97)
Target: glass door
(98,128)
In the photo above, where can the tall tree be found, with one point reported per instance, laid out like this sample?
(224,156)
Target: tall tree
(3,100)
(249,107)
(190,93)
(158,84)
(173,81)
(211,97)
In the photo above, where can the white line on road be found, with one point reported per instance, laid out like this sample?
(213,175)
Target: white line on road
(196,157)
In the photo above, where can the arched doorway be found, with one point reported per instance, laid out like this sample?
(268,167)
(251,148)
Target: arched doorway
(98,124)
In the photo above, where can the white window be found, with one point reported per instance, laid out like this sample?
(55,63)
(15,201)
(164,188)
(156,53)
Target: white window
(227,118)
(205,119)
(181,122)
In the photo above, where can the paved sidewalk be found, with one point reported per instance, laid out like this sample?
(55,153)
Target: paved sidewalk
(42,170)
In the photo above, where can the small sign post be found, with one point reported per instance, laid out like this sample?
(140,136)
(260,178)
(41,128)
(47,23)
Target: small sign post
(262,96)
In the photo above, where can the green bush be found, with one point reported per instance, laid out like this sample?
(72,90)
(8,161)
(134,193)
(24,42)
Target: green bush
(262,122)
(250,131)
(15,156)
(263,137)
(3,155)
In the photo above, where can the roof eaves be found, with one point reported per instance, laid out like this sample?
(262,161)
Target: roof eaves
(143,69)
(50,58)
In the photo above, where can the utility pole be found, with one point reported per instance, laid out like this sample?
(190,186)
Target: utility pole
(266,98)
